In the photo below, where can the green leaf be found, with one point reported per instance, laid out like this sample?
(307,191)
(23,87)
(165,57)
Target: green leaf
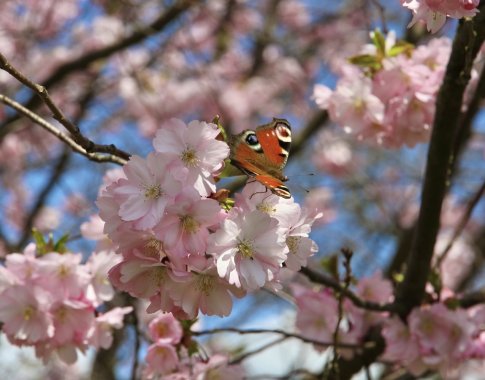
(366,61)
(60,245)
(39,241)
(379,42)
(401,47)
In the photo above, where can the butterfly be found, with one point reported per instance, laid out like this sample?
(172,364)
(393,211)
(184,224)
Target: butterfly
(262,154)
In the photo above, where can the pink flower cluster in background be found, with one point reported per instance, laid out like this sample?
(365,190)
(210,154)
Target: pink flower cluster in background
(180,249)
(317,313)
(393,105)
(168,357)
(436,337)
(49,302)
(435,12)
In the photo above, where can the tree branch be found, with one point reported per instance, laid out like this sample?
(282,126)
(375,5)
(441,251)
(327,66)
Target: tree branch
(78,137)
(467,42)
(322,279)
(275,331)
(96,157)
(81,63)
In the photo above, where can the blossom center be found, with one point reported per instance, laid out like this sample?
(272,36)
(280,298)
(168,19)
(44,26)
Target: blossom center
(153,191)
(266,207)
(292,243)
(153,248)
(205,283)
(63,271)
(61,314)
(160,275)
(189,224)
(28,313)
(245,248)
(189,157)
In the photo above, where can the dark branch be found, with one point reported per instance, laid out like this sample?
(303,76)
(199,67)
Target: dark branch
(467,42)
(322,279)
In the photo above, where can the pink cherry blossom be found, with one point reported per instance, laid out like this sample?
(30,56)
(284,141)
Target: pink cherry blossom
(24,266)
(24,314)
(166,328)
(434,12)
(99,264)
(401,345)
(354,106)
(184,227)
(62,275)
(195,154)
(300,246)
(146,191)
(332,154)
(255,196)
(317,314)
(161,358)
(72,321)
(249,249)
(203,290)
(101,334)
(218,368)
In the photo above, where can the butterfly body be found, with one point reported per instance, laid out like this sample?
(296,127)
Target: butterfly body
(262,154)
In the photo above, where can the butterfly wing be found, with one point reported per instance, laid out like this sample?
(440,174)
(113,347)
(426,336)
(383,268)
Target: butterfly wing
(262,154)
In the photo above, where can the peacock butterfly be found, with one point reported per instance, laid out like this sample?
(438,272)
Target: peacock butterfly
(262,154)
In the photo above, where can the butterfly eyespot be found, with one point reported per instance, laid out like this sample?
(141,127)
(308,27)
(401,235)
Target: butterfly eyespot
(283,131)
(252,139)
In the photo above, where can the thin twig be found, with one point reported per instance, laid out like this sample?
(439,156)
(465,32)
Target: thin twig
(97,157)
(462,224)
(257,350)
(382,15)
(275,331)
(334,367)
(320,278)
(56,174)
(77,136)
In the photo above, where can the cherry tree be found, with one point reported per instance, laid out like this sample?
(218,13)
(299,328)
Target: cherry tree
(150,232)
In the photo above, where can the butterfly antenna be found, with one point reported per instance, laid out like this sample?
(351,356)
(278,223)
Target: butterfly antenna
(259,192)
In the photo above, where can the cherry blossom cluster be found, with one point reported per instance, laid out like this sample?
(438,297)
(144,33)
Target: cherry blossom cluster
(436,337)
(318,313)
(392,102)
(435,12)
(183,250)
(167,356)
(49,301)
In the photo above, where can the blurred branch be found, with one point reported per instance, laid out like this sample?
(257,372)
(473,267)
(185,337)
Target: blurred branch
(322,279)
(463,222)
(83,62)
(467,118)
(472,298)
(264,38)
(78,137)
(462,138)
(96,157)
(257,350)
(466,45)
(274,331)
(56,174)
